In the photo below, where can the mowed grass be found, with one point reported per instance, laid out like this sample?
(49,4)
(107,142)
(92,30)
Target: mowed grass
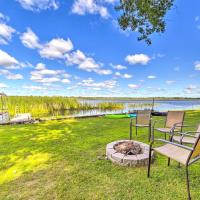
(65,160)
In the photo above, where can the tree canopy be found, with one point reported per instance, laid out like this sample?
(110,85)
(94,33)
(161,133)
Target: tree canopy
(144,16)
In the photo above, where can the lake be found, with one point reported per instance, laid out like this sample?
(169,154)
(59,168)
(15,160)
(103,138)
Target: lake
(159,105)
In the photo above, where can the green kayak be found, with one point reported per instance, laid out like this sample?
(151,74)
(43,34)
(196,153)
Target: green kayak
(120,116)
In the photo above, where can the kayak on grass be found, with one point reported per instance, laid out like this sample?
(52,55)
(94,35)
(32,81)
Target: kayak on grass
(120,116)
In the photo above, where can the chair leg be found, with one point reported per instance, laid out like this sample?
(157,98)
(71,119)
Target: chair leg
(149,163)
(136,130)
(152,134)
(168,163)
(165,136)
(149,133)
(188,183)
(131,130)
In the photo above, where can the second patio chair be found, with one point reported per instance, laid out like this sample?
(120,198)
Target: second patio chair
(174,122)
(143,120)
(182,154)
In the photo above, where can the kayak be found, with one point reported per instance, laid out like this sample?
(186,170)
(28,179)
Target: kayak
(120,116)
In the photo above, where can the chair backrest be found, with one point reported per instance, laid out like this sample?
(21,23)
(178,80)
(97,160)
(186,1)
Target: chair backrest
(198,131)
(143,117)
(174,117)
(196,147)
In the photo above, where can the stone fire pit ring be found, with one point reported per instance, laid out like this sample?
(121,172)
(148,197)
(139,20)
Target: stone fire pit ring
(128,160)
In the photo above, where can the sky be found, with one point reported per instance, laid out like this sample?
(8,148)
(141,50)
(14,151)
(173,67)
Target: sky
(76,48)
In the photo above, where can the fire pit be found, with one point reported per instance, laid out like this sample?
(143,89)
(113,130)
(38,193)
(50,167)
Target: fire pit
(128,153)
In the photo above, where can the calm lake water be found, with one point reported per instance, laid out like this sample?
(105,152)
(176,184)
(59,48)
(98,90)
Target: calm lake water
(159,105)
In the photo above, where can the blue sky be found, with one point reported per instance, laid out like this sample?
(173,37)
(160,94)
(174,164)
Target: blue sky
(75,48)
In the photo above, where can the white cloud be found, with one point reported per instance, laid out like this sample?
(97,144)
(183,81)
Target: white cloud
(76,57)
(138,59)
(30,39)
(34,87)
(133,86)
(85,63)
(6,59)
(197,65)
(3,85)
(127,75)
(56,48)
(151,77)
(15,76)
(118,67)
(3,41)
(109,84)
(123,75)
(89,64)
(65,75)
(48,76)
(66,81)
(40,66)
(50,80)
(10,76)
(170,82)
(3,17)
(82,7)
(37,5)
(103,71)
(5,33)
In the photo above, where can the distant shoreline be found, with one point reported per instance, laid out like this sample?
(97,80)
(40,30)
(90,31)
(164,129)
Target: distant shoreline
(123,98)
(139,99)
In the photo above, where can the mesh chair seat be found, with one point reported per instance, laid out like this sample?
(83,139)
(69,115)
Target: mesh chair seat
(166,130)
(174,152)
(188,140)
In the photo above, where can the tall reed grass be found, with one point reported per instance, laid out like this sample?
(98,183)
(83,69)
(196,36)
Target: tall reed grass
(47,106)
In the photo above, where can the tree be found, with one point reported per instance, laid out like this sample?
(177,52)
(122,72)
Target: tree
(144,16)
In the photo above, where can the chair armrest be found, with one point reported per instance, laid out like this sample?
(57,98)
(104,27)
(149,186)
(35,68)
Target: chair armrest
(175,144)
(187,133)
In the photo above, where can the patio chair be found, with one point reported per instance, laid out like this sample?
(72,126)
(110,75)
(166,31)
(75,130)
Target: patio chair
(143,120)
(178,152)
(173,123)
(187,138)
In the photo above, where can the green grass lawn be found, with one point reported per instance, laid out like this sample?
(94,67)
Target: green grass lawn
(65,160)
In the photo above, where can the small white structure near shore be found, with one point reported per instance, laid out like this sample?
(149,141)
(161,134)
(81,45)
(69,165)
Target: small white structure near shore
(19,118)
(4,115)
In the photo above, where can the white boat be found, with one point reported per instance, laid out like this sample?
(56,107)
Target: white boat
(21,118)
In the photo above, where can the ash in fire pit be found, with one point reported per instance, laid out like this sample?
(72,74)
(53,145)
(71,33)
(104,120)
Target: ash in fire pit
(128,148)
